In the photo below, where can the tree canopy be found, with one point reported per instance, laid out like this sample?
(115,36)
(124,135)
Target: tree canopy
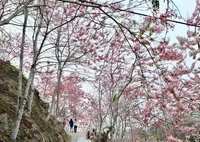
(140,78)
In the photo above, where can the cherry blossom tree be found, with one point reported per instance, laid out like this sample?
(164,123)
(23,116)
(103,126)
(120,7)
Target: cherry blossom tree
(37,52)
(142,79)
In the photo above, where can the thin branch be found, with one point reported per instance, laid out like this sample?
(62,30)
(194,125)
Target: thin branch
(97,5)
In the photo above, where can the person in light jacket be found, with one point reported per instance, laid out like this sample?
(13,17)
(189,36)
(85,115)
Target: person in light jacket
(75,125)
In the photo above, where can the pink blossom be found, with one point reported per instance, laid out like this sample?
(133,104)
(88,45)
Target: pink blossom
(81,32)
(188,129)
(173,139)
(181,40)
(190,34)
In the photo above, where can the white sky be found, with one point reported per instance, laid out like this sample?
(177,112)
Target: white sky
(186,8)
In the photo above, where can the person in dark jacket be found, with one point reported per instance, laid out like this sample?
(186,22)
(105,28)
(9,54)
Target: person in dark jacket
(71,124)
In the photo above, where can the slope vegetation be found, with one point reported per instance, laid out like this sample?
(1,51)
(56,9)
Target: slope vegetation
(32,129)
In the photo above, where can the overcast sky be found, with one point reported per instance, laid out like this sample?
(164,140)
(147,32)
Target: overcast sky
(186,8)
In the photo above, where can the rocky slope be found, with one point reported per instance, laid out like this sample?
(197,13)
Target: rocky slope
(32,129)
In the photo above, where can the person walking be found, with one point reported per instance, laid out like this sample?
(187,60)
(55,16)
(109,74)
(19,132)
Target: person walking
(71,124)
(75,125)
(88,134)
(64,123)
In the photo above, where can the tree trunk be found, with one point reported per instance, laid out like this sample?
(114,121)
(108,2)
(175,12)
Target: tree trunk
(20,102)
(55,98)
(22,106)
(58,90)
(55,101)
(30,101)
(51,108)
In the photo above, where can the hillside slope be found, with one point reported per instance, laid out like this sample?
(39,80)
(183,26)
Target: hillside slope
(32,129)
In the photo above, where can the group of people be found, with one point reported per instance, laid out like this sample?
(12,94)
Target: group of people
(72,125)
(91,134)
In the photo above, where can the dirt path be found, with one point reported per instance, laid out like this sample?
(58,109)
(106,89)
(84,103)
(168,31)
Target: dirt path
(78,137)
